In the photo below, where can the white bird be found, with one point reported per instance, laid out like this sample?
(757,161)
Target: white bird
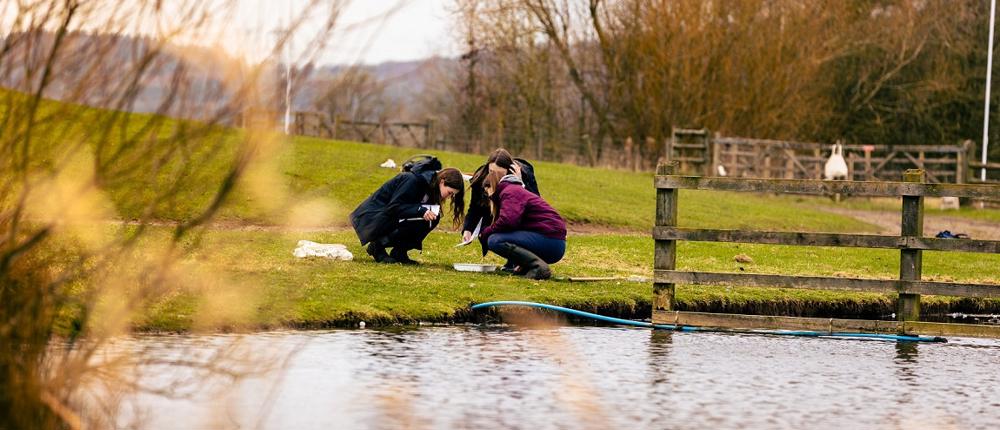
(722,170)
(389,164)
(836,167)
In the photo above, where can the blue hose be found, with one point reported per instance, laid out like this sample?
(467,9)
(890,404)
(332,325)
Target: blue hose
(685,328)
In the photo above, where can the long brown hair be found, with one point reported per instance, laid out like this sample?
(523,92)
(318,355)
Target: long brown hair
(503,159)
(451,177)
(490,182)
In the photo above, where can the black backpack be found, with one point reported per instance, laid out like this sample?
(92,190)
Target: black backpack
(417,160)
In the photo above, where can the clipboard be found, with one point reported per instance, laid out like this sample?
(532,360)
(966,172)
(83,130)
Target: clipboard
(433,208)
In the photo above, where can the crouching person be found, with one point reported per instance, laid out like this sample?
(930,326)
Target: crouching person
(398,214)
(526,230)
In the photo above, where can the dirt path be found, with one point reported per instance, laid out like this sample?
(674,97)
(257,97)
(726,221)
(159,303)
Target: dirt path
(888,223)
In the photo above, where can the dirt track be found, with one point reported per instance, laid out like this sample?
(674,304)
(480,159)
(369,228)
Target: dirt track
(888,223)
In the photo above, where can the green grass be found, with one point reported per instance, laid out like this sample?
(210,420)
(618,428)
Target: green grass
(345,173)
(259,271)
(177,180)
(249,277)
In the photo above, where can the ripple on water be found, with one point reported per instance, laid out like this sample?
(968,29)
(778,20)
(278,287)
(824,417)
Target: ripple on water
(564,377)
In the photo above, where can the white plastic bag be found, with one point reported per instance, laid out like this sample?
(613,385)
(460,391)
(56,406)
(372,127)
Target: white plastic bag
(334,251)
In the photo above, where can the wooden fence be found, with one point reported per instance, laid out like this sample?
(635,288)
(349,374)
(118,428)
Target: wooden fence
(910,242)
(975,169)
(398,133)
(700,153)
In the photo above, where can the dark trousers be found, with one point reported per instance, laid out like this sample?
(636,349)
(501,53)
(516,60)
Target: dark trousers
(409,234)
(548,249)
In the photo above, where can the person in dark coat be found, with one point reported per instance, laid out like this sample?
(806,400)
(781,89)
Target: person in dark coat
(479,204)
(526,230)
(397,216)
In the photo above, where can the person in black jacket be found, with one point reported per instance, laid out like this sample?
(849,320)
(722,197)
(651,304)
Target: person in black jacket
(479,203)
(396,217)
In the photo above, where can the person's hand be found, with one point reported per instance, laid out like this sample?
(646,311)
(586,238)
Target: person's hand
(466,236)
(517,170)
(430,215)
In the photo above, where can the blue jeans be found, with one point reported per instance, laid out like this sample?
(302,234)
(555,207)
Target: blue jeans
(548,249)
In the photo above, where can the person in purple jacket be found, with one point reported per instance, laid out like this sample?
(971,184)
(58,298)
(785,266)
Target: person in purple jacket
(526,230)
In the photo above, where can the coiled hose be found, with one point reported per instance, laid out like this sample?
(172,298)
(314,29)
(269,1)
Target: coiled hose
(686,328)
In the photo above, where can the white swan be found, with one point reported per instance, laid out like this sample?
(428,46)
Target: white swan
(836,167)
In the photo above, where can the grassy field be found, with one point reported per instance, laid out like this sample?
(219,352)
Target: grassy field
(240,272)
(342,174)
(256,265)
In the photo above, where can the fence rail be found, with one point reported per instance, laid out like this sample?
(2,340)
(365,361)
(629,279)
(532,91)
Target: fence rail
(698,152)
(828,283)
(822,187)
(910,242)
(827,239)
(398,133)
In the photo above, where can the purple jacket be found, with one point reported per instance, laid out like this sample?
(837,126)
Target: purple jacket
(521,209)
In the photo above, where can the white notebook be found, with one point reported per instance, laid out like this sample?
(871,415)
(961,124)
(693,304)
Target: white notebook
(475,234)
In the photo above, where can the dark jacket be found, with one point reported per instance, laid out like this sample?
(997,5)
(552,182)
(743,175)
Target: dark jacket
(521,210)
(399,198)
(479,207)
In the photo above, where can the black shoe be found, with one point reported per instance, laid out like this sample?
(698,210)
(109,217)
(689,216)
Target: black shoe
(509,268)
(530,265)
(377,250)
(398,255)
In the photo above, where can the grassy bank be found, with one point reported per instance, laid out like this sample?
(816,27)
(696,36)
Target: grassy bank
(256,282)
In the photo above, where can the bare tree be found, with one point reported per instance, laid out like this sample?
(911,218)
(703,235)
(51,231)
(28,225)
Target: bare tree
(630,71)
(72,275)
(354,94)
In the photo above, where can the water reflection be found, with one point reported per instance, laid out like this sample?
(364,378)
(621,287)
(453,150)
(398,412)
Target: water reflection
(906,374)
(906,352)
(659,350)
(599,377)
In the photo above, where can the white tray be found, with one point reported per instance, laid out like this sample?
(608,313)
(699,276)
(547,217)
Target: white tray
(472,267)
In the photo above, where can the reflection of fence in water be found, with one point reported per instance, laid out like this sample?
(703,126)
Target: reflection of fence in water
(910,242)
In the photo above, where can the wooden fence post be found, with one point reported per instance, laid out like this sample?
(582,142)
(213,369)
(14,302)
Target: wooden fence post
(668,147)
(429,139)
(665,251)
(911,260)
(962,170)
(711,155)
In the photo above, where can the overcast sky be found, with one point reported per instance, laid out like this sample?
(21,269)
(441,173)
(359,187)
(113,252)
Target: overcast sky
(369,31)
(417,29)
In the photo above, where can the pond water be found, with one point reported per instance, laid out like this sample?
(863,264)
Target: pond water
(577,377)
